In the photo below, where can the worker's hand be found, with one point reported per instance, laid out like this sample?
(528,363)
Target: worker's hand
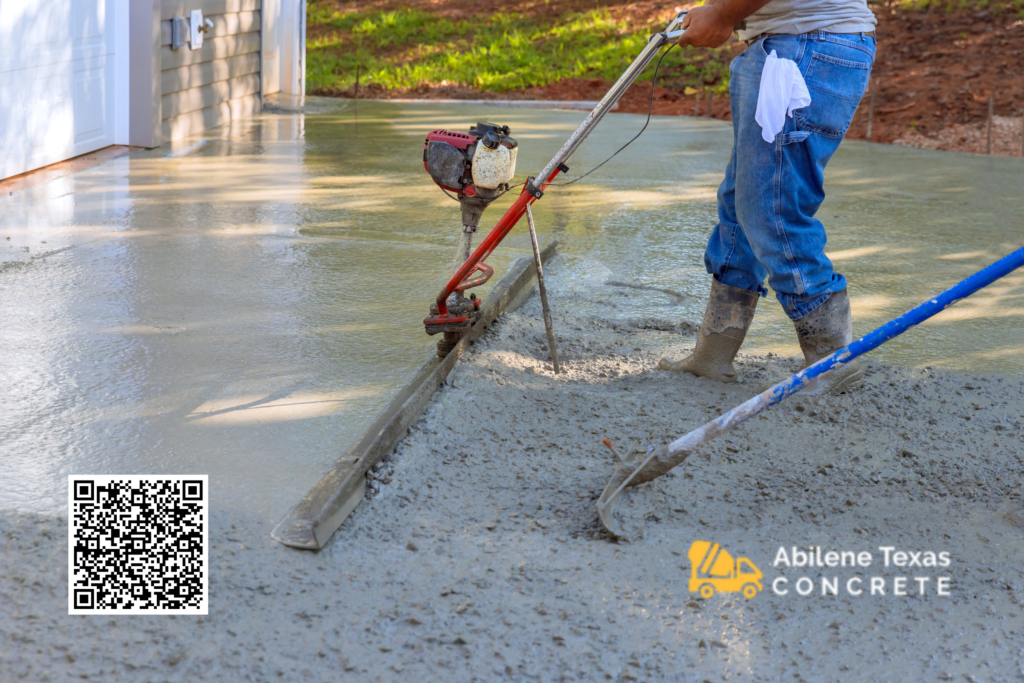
(706,26)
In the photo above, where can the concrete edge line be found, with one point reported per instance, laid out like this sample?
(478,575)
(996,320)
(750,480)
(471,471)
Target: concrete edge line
(318,515)
(512,104)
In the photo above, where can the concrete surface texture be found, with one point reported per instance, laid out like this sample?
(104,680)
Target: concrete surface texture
(240,305)
(482,558)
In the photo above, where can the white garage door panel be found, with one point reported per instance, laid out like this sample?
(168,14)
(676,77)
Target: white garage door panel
(56,80)
(89,99)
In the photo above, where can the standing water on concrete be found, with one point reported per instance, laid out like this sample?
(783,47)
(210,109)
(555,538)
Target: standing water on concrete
(242,303)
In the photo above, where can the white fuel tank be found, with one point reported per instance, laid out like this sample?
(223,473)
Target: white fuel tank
(493,167)
(512,166)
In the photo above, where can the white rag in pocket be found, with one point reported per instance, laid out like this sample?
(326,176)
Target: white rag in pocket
(783,91)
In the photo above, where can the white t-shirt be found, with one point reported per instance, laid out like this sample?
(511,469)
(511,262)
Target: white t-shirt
(803,16)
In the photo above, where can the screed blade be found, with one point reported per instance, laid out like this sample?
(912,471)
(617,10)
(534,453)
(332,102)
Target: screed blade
(606,505)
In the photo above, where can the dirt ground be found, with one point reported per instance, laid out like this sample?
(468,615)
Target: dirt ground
(482,558)
(934,72)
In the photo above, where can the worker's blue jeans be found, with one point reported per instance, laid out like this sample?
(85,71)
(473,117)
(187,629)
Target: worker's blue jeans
(771,191)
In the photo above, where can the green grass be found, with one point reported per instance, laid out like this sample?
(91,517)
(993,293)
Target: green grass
(406,48)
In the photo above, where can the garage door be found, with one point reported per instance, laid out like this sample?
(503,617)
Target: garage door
(57,79)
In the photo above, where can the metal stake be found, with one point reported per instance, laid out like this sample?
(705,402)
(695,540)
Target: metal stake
(548,325)
(871,110)
(991,113)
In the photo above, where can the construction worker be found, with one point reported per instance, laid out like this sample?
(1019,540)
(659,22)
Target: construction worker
(772,190)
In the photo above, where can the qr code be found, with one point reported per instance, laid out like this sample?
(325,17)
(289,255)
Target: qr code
(137,544)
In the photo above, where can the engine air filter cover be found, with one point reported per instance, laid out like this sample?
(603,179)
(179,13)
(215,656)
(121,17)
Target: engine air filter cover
(446,164)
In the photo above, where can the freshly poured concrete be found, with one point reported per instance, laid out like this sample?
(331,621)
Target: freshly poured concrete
(240,310)
(241,303)
(482,559)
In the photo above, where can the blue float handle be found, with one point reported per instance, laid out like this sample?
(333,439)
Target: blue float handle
(872,340)
(679,450)
(914,316)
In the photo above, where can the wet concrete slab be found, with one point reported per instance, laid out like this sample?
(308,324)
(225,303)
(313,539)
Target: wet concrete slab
(241,303)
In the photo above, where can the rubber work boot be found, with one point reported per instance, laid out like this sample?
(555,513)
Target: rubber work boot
(726,321)
(823,331)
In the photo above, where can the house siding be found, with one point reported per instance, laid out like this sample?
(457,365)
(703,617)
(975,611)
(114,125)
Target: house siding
(220,81)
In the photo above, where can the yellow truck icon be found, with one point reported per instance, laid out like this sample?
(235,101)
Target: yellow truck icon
(714,569)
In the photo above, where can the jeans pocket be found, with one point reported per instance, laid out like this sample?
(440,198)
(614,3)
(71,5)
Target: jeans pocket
(794,137)
(836,86)
(784,46)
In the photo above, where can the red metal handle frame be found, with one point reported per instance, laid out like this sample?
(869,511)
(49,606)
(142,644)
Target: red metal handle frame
(493,239)
(469,283)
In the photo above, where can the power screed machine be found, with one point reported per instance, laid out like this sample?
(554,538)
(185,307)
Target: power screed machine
(478,167)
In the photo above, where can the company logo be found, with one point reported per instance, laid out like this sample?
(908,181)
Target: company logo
(713,569)
(920,582)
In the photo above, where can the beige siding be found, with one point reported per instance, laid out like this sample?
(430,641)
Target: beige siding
(197,75)
(223,25)
(221,80)
(213,48)
(219,114)
(181,8)
(190,100)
